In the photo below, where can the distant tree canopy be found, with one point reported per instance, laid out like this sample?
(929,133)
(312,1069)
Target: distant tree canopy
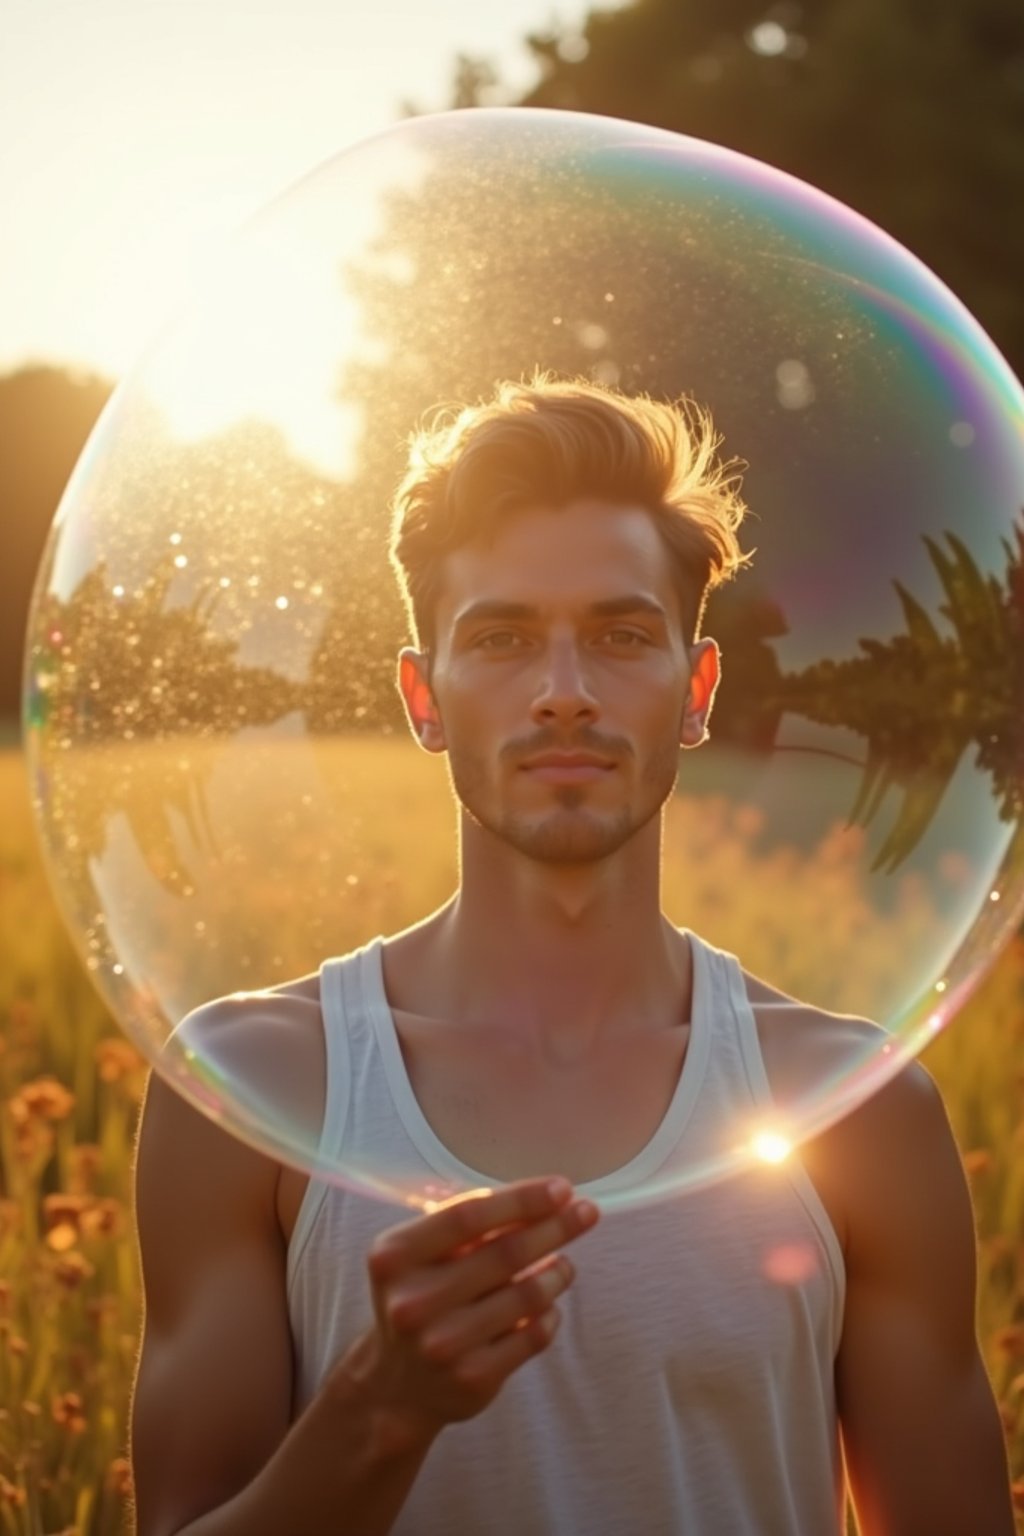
(911,111)
(46,416)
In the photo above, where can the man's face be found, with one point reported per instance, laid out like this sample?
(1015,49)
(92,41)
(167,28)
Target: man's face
(561,685)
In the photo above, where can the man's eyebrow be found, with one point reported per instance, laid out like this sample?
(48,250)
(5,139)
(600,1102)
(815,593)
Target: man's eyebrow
(487,609)
(633,602)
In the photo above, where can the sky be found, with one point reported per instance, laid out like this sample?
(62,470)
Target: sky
(136,135)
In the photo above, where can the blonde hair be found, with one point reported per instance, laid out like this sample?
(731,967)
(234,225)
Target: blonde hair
(550,442)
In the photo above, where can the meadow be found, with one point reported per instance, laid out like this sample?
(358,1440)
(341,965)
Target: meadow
(71,1085)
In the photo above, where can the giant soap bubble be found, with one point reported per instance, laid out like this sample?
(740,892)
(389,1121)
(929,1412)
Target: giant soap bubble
(225,786)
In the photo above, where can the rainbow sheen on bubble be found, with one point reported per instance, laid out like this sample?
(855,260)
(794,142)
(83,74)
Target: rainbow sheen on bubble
(224,784)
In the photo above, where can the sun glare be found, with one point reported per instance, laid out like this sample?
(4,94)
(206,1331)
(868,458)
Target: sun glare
(237,357)
(771,1146)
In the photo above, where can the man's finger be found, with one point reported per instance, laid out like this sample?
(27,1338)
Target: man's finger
(465,1221)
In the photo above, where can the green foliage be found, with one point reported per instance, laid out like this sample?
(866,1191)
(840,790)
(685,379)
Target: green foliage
(920,700)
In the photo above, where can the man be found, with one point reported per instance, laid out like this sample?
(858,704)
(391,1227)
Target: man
(309,1366)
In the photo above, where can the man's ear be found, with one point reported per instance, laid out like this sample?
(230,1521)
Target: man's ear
(418,697)
(705,673)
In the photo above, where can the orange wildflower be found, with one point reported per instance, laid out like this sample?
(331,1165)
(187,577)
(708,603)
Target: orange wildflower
(1010,1340)
(83,1166)
(63,1209)
(119,1477)
(72,1269)
(68,1411)
(46,1099)
(103,1218)
(978,1161)
(33,1140)
(11,1494)
(17,1346)
(117,1059)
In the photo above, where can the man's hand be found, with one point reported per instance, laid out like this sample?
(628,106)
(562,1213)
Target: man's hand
(462,1298)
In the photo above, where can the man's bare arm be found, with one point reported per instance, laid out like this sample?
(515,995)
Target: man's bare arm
(923,1442)
(213,1451)
(211,1448)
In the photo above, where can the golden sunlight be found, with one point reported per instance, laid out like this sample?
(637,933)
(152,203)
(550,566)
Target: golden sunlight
(265,340)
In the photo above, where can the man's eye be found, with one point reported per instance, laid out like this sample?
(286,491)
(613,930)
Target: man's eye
(499,640)
(625,637)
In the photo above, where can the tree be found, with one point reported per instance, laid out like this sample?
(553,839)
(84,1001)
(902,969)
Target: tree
(911,111)
(46,416)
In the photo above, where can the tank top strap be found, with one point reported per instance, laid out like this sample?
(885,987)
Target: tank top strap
(739,1020)
(347,1041)
(335,980)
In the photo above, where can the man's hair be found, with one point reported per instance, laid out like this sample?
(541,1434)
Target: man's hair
(550,442)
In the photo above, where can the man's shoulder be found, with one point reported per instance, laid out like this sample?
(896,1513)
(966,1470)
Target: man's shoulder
(804,1046)
(875,1126)
(264,1049)
(248,1021)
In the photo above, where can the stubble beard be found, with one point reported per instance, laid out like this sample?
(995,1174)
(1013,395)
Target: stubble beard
(569,833)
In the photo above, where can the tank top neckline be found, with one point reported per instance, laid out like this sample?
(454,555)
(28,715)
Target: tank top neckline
(444,1162)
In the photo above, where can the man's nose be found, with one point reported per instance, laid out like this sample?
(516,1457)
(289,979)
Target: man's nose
(564,688)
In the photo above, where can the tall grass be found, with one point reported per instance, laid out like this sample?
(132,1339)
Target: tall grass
(70,1087)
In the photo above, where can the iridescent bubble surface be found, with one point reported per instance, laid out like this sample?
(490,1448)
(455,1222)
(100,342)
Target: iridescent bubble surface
(223,779)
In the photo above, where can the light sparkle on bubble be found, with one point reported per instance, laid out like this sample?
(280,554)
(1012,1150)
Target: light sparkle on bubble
(771,1146)
(795,387)
(768,38)
(593,336)
(573,48)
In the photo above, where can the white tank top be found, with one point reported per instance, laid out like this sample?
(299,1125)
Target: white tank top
(690,1388)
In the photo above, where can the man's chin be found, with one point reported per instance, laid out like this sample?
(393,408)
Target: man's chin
(568,838)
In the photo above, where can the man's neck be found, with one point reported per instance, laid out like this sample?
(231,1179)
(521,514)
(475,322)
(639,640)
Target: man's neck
(567,955)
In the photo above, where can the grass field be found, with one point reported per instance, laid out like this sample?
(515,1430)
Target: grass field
(70,1086)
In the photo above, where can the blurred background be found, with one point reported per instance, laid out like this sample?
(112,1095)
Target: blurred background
(137,134)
